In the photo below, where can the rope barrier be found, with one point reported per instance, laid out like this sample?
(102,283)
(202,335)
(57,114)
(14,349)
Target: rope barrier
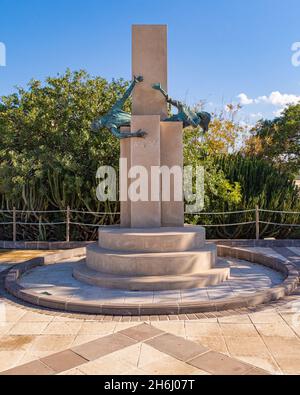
(40,212)
(118,213)
(277,224)
(223,212)
(280,212)
(240,223)
(81,224)
(97,225)
(59,211)
(33,211)
(94,212)
(38,223)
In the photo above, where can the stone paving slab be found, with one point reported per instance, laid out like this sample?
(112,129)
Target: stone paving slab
(63,360)
(177,347)
(218,364)
(103,346)
(35,368)
(142,332)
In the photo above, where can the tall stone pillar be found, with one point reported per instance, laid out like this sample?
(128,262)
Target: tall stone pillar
(162,145)
(149,59)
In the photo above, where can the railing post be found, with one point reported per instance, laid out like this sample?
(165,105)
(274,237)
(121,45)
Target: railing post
(14,224)
(68,225)
(257,222)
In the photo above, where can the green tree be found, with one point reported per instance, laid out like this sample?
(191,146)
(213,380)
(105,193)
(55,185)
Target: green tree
(48,154)
(264,185)
(278,140)
(201,149)
(219,191)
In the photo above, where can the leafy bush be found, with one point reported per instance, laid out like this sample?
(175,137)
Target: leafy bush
(278,140)
(261,184)
(49,155)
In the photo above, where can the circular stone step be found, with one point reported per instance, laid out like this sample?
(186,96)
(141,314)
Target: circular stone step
(129,263)
(152,283)
(176,239)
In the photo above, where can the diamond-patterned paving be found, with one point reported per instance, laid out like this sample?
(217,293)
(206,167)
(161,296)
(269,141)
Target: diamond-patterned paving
(260,340)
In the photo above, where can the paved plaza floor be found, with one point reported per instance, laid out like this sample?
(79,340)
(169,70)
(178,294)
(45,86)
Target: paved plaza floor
(57,280)
(261,340)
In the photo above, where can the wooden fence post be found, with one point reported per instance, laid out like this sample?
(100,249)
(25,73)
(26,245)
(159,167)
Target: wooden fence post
(257,222)
(14,225)
(68,225)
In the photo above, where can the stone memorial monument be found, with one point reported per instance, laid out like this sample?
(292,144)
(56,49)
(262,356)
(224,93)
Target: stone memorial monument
(152,249)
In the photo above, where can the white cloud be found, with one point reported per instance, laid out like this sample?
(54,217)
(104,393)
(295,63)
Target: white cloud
(278,113)
(275,98)
(256,115)
(278,99)
(244,99)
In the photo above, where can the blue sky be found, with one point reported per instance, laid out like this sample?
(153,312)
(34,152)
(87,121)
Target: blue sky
(218,49)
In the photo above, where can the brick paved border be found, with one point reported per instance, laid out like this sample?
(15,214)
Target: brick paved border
(281,265)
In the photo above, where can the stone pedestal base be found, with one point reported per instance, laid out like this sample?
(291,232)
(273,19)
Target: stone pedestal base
(161,149)
(152,259)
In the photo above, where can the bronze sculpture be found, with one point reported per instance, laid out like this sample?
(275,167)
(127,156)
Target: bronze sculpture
(116,118)
(185,114)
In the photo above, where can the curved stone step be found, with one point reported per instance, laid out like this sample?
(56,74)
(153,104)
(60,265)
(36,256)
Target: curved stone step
(129,263)
(153,239)
(151,283)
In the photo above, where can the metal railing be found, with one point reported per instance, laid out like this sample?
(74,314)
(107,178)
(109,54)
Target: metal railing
(67,222)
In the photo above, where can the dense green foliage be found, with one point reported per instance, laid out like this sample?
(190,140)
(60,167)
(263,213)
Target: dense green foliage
(219,191)
(49,157)
(261,184)
(48,153)
(278,140)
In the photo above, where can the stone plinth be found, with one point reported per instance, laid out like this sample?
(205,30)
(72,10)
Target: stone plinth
(163,148)
(146,152)
(171,155)
(152,239)
(152,283)
(125,204)
(132,263)
(152,259)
